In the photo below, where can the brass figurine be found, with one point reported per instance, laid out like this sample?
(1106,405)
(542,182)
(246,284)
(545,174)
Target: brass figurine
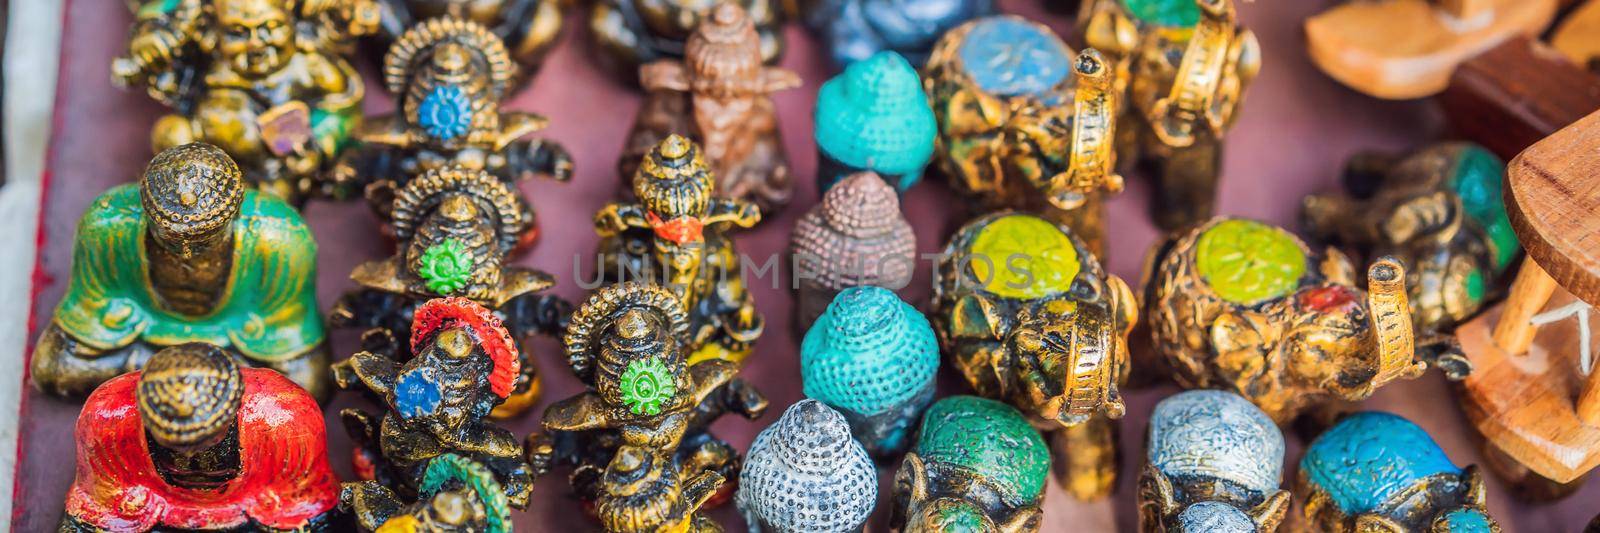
(630,33)
(196,443)
(978,465)
(1215,464)
(464,363)
(1025,123)
(458,495)
(186,255)
(450,76)
(639,436)
(1028,316)
(675,234)
(1185,67)
(457,228)
(1242,306)
(719,95)
(529,28)
(262,79)
(1440,211)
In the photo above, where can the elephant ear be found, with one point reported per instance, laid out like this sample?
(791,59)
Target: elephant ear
(1270,513)
(1476,494)
(1026,519)
(1371,523)
(975,317)
(912,479)
(1240,347)
(1337,267)
(1157,498)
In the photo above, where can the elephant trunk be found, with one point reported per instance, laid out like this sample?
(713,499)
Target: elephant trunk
(1390,312)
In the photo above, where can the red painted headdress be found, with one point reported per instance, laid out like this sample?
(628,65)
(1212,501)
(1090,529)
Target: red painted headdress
(441,313)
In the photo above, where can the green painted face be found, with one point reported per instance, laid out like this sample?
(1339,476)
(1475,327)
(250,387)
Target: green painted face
(1177,13)
(646,385)
(1022,256)
(1247,262)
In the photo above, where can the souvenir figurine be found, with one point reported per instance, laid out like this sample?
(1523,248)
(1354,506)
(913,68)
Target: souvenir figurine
(978,465)
(262,79)
(639,436)
(676,232)
(1378,472)
(1440,212)
(456,228)
(194,442)
(456,495)
(630,33)
(1028,316)
(805,474)
(1216,462)
(1023,123)
(1281,325)
(449,76)
(856,236)
(853,30)
(873,357)
(186,255)
(464,363)
(1186,65)
(874,117)
(720,95)
(529,28)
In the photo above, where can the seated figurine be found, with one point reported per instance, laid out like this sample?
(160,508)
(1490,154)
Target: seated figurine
(529,28)
(196,443)
(1215,464)
(978,465)
(449,76)
(1187,65)
(1028,316)
(631,33)
(874,117)
(804,474)
(186,255)
(1281,325)
(853,30)
(456,228)
(1381,473)
(1023,123)
(874,358)
(1440,211)
(639,438)
(262,79)
(675,234)
(463,364)
(456,495)
(719,95)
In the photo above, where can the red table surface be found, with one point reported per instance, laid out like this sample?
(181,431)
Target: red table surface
(1294,132)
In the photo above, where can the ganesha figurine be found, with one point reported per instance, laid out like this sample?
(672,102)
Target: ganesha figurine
(804,474)
(873,357)
(1024,124)
(186,255)
(853,30)
(463,364)
(457,228)
(194,442)
(529,28)
(1215,464)
(874,117)
(856,236)
(1239,305)
(450,76)
(978,465)
(262,79)
(457,494)
(1027,315)
(1377,472)
(1186,65)
(630,33)
(675,235)
(719,94)
(1440,211)
(639,437)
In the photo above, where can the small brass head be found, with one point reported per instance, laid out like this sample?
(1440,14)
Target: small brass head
(674,181)
(189,396)
(255,37)
(191,194)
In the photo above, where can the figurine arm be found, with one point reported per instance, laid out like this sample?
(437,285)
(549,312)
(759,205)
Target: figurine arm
(616,218)
(376,372)
(580,413)
(538,157)
(544,313)
(737,212)
(667,75)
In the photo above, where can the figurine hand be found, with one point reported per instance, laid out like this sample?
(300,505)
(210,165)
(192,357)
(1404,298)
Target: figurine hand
(150,50)
(559,164)
(344,374)
(1444,352)
(541,453)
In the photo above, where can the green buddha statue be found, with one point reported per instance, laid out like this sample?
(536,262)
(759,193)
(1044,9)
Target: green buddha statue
(186,255)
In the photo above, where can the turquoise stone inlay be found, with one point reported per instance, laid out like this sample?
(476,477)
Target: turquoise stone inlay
(1371,457)
(445,113)
(990,439)
(874,116)
(1009,56)
(1477,180)
(1467,521)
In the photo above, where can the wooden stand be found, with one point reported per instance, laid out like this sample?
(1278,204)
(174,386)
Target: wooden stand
(1403,49)
(1517,93)
(1528,394)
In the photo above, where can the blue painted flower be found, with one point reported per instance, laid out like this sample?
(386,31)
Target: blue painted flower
(446,113)
(416,394)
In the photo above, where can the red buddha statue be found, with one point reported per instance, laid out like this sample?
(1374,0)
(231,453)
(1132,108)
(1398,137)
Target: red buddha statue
(195,442)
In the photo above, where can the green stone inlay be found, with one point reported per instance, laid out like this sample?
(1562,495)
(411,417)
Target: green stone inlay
(989,438)
(1475,286)
(446,267)
(646,385)
(1247,262)
(1165,12)
(1477,180)
(1012,249)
